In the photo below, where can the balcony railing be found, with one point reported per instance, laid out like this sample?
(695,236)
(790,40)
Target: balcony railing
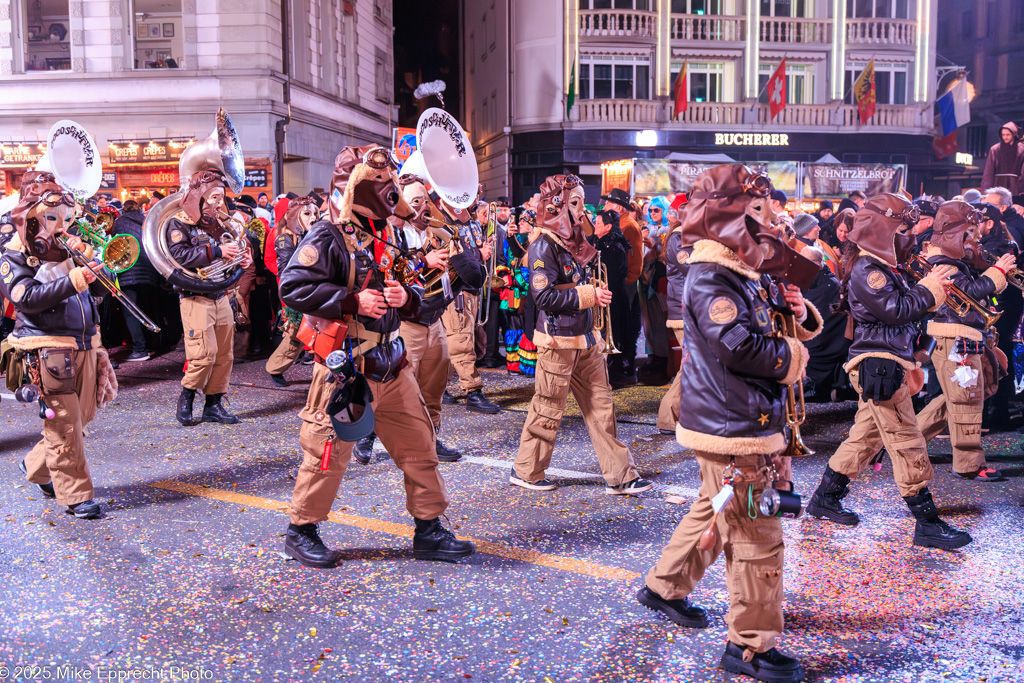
(736,115)
(705,27)
(881,32)
(795,30)
(618,23)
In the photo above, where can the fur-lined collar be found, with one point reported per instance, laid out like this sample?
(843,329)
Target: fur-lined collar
(710,251)
(876,258)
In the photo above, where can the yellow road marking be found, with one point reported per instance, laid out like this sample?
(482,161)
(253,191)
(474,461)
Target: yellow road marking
(568,564)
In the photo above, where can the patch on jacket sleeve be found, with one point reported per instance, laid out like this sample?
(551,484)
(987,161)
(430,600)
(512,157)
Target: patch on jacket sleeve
(17,293)
(308,255)
(5,268)
(538,264)
(722,310)
(177,236)
(682,257)
(876,280)
(539,281)
(735,337)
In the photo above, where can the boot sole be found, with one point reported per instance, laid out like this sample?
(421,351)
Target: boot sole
(673,616)
(441,555)
(449,458)
(219,421)
(819,513)
(515,481)
(86,515)
(940,545)
(484,411)
(314,564)
(738,666)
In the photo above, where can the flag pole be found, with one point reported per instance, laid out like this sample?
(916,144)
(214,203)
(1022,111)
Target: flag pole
(756,99)
(852,82)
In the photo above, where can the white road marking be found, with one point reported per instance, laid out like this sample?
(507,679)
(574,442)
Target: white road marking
(574,474)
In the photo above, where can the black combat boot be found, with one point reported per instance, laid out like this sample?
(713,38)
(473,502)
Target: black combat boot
(433,541)
(304,544)
(772,666)
(827,501)
(279,380)
(45,489)
(447,399)
(932,532)
(362,451)
(682,612)
(445,454)
(184,414)
(88,509)
(478,403)
(216,412)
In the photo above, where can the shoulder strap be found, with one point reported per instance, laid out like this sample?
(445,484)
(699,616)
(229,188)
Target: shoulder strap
(340,239)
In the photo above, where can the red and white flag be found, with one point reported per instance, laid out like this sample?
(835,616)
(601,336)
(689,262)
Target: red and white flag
(777,90)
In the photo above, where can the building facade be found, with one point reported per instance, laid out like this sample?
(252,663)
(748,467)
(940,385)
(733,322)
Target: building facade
(622,58)
(300,79)
(986,38)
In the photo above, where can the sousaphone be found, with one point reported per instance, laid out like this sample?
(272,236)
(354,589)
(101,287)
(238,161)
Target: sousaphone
(219,152)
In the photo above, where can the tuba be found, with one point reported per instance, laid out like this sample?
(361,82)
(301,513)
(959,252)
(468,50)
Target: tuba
(219,152)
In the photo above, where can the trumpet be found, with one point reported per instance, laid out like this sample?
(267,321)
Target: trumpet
(956,298)
(603,323)
(1013,277)
(109,285)
(101,219)
(224,266)
(117,253)
(784,324)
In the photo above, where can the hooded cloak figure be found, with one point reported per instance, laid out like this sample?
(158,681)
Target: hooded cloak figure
(1004,165)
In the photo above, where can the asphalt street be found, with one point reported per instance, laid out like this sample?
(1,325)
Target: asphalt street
(184,576)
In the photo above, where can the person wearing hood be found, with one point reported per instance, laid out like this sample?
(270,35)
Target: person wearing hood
(736,371)
(886,310)
(55,330)
(1004,164)
(569,347)
(960,348)
(337,274)
(653,305)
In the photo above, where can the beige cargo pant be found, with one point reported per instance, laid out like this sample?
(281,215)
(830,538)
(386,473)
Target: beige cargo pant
(668,412)
(60,457)
(286,353)
(209,328)
(585,372)
(404,428)
(461,331)
(958,407)
(753,548)
(426,349)
(891,424)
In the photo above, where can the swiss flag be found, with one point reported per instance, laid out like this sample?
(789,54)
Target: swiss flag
(944,145)
(777,90)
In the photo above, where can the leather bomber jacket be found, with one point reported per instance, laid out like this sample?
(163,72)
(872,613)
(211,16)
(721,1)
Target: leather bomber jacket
(470,271)
(885,309)
(315,282)
(565,316)
(980,288)
(284,247)
(192,247)
(675,272)
(48,309)
(732,369)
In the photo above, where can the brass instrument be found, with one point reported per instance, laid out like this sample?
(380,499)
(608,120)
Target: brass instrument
(1013,277)
(101,219)
(239,239)
(603,322)
(784,324)
(442,235)
(956,298)
(110,285)
(491,281)
(117,253)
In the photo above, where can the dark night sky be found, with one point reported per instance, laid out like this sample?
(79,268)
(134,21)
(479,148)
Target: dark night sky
(426,49)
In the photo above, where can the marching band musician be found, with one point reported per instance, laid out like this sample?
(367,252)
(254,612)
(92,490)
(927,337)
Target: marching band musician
(56,327)
(207,319)
(732,416)
(298,219)
(675,256)
(569,354)
(426,343)
(885,310)
(960,343)
(337,274)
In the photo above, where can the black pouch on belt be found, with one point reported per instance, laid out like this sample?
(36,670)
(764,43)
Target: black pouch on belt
(880,378)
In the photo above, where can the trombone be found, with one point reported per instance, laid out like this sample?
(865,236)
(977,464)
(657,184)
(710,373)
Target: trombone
(101,219)
(784,324)
(483,313)
(109,285)
(603,323)
(956,298)
(117,252)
